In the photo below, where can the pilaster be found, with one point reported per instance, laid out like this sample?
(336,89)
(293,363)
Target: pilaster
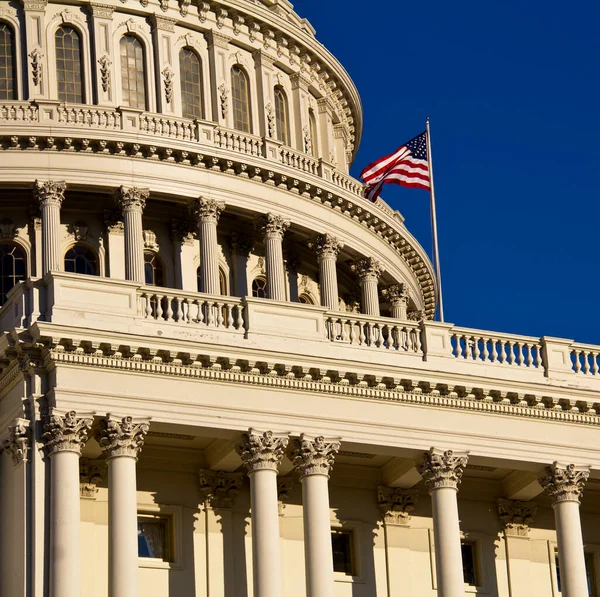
(35,49)
(103,58)
(218,52)
(163,34)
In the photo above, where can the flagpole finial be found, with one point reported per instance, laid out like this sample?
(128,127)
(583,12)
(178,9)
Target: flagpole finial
(427,120)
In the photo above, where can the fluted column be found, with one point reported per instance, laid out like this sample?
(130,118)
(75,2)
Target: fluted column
(272,228)
(313,459)
(327,248)
(442,473)
(564,484)
(122,440)
(64,436)
(262,453)
(368,271)
(50,194)
(132,202)
(397,296)
(207,212)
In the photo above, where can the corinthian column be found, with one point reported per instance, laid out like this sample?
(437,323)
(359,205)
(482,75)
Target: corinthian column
(122,440)
(564,484)
(64,436)
(397,295)
(327,248)
(313,459)
(368,271)
(262,454)
(272,228)
(207,212)
(132,201)
(442,473)
(50,194)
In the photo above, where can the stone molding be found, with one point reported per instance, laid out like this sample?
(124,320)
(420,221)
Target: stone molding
(241,245)
(122,436)
(272,226)
(314,455)
(18,442)
(326,246)
(262,450)
(443,469)
(516,516)
(564,482)
(367,269)
(205,209)
(397,294)
(50,192)
(219,489)
(132,198)
(66,433)
(91,474)
(396,504)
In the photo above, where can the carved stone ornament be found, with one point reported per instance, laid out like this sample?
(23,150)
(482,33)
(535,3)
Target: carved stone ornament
(206,209)
(308,146)
(396,504)
(18,441)
(564,482)
(36,56)
(168,76)
(396,294)
(443,469)
(272,226)
(516,516)
(50,192)
(7,229)
(203,8)
(367,269)
(314,456)
(262,450)
(223,97)
(122,437)
(284,489)
(416,315)
(219,489)
(184,7)
(182,232)
(101,10)
(66,433)
(326,246)
(270,120)
(91,474)
(132,199)
(241,245)
(150,240)
(113,221)
(105,63)
(79,230)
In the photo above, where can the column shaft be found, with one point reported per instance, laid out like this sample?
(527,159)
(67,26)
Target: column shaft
(274,267)
(329,285)
(50,238)
(134,246)
(571,556)
(370,298)
(209,260)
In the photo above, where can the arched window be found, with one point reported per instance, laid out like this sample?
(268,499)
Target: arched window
(69,72)
(282,120)
(313,134)
(133,83)
(306,299)
(12,268)
(240,86)
(222,282)
(190,72)
(153,269)
(8,66)
(81,260)
(259,287)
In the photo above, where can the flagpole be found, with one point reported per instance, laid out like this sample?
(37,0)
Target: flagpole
(436,252)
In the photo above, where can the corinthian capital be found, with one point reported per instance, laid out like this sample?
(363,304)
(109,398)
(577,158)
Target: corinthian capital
(262,450)
(17,443)
(326,246)
(396,294)
(443,469)
(219,489)
(66,433)
(132,199)
(564,482)
(50,192)
(123,437)
(368,268)
(396,504)
(516,516)
(206,210)
(314,456)
(272,226)
(241,245)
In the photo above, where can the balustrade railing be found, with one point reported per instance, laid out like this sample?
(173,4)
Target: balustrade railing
(347,183)
(237,141)
(102,118)
(20,112)
(585,359)
(298,161)
(173,128)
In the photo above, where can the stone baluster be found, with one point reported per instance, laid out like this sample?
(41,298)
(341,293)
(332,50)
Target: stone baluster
(442,473)
(368,271)
(327,248)
(564,484)
(272,228)
(122,440)
(207,213)
(132,202)
(313,459)
(262,454)
(241,247)
(50,194)
(64,436)
(398,296)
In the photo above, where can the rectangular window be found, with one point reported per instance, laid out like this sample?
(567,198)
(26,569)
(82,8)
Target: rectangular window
(590,571)
(469,562)
(342,542)
(155,537)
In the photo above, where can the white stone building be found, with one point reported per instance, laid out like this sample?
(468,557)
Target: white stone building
(219,374)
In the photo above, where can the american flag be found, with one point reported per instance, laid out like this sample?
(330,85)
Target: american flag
(408,166)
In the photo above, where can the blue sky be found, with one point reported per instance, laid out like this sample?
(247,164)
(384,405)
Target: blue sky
(512,89)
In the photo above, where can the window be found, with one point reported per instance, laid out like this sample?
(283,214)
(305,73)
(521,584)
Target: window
(133,84)
(153,269)
(469,563)
(81,260)
(222,282)
(282,120)
(8,70)
(590,571)
(190,72)
(342,543)
(305,299)
(259,287)
(68,65)
(240,86)
(155,537)
(313,134)
(12,268)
